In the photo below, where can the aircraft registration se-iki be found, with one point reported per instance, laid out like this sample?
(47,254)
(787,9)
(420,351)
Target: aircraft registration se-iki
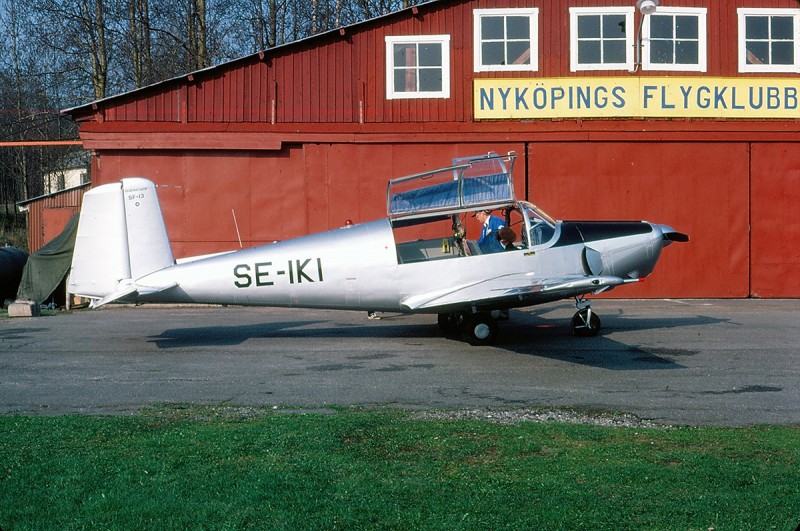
(418,259)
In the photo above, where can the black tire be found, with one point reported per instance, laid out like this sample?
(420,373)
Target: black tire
(451,323)
(585,324)
(480,329)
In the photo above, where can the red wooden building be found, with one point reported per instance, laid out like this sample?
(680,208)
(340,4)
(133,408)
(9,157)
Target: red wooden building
(686,115)
(49,214)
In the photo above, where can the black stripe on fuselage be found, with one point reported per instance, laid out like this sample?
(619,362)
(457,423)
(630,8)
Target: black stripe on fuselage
(574,232)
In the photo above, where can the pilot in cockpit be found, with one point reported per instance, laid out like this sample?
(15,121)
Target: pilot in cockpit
(490,224)
(507,237)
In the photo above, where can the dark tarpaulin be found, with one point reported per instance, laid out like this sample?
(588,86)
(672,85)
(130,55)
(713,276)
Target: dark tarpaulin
(48,266)
(12,262)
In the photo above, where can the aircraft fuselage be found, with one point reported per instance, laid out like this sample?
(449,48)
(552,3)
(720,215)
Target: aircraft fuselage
(357,268)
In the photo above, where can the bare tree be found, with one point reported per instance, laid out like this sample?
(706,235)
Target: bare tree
(94,24)
(196,33)
(139,41)
(76,31)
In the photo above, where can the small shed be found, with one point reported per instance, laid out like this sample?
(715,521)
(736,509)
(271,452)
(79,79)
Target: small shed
(49,214)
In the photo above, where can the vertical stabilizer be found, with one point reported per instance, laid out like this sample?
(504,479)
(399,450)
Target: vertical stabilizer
(121,236)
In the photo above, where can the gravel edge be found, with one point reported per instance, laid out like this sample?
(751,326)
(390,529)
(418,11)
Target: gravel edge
(511,416)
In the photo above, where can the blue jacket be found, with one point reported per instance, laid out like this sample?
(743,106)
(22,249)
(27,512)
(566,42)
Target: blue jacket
(488,241)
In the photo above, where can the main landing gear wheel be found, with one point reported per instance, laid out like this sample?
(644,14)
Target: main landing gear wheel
(480,329)
(452,322)
(585,323)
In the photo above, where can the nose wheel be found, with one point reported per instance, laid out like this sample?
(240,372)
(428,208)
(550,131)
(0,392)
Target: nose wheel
(585,323)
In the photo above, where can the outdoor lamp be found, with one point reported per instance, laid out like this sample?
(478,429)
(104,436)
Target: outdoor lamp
(647,7)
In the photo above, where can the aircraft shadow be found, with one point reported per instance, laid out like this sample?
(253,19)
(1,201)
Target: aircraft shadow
(527,333)
(550,338)
(209,336)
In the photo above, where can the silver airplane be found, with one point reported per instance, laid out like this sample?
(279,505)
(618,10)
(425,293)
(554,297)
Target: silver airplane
(417,260)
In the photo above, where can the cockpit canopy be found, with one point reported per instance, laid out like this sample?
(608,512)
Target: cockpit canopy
(472,183)
(430,209)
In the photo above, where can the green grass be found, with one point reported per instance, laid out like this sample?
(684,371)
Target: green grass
(212,468)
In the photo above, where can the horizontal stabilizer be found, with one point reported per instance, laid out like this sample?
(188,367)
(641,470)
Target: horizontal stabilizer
(111,297)
(127,290)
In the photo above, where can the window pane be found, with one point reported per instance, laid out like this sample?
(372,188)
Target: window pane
(756,28)
(589,27)
(782,53)
(518,28)
(519,53)
(757,53)
(613,26)
(687,53)
(405,80)
(660,27)
(613,51)
(589,52)
(400,54)
(430,55)
(430,79)
(661,52)
(492,53)
(491,27)
(686,27)
(782,28)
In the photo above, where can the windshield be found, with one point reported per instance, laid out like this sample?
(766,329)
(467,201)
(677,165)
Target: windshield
(542,225)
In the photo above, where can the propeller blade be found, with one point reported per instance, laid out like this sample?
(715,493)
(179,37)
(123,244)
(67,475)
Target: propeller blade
(675,236)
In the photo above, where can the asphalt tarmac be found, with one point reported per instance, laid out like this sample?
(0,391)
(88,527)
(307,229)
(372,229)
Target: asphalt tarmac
(688,362)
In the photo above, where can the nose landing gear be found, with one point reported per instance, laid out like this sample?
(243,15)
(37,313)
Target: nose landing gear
(585,323)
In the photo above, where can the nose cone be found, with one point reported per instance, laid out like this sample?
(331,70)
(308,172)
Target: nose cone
(671,235)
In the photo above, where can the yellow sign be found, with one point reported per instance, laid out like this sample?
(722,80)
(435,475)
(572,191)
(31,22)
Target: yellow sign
(628,97)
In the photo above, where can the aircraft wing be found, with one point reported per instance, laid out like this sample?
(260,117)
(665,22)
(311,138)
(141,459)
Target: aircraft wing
(519,289)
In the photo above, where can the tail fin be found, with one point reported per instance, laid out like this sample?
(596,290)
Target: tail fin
(121,237)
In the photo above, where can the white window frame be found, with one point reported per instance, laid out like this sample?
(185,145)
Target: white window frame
(702,37)
(742,14)
(575,12)
(533,16)
(443,40)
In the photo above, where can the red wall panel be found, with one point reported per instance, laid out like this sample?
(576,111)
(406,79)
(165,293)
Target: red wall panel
(699,189)
(277,195)
(775,237)
(215,192)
